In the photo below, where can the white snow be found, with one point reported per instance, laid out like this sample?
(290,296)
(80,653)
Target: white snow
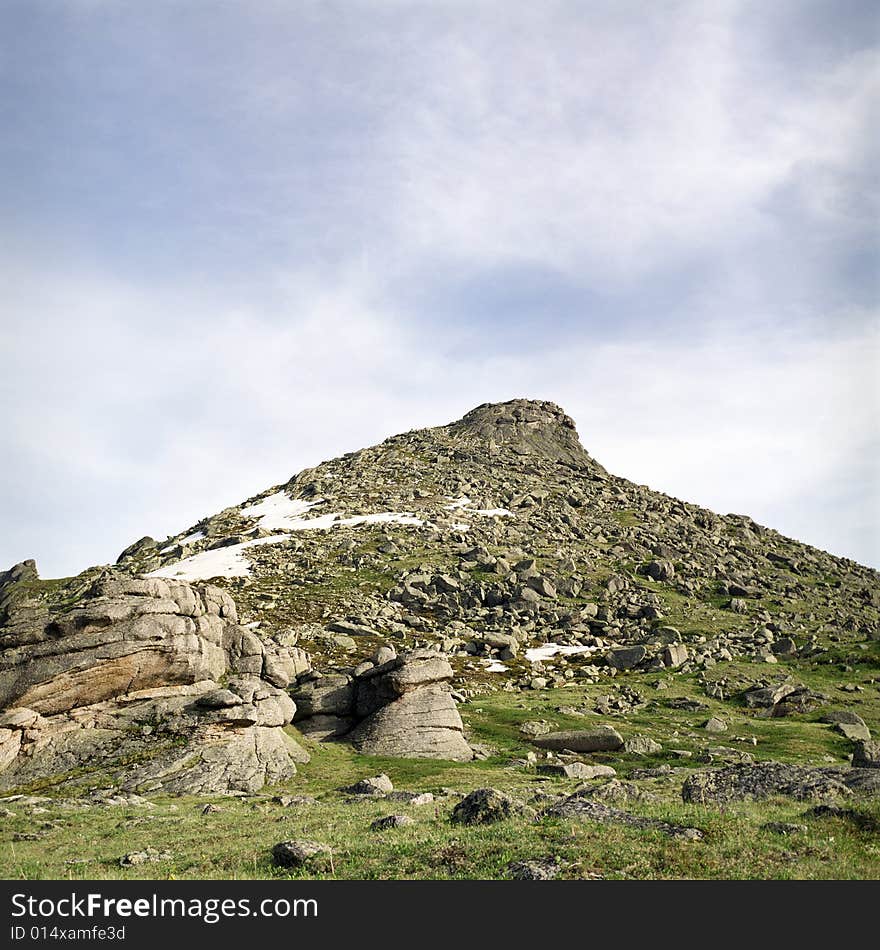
(463,504)
(278,512)
(384,517)
(313,524)
(335,520)
(494,666)
(221,562)
(536,654)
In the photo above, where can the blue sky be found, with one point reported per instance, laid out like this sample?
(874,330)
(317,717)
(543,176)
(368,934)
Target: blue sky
(243,238)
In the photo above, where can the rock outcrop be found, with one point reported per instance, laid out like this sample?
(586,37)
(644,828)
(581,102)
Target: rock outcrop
(403,707)
(770,779)
(144,684)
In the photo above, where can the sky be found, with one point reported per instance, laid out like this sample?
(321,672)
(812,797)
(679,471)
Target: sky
(240,239)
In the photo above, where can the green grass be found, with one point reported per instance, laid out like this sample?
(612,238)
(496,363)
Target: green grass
(236,842)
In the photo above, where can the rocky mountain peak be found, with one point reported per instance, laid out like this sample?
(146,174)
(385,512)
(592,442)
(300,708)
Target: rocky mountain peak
(525,427)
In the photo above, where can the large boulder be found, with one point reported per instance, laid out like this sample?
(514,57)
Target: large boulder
(595,739)
(131,671)
(401,708)
(409,711)
(766,780)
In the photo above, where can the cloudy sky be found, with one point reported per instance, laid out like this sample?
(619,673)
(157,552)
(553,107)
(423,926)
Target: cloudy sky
(241,238)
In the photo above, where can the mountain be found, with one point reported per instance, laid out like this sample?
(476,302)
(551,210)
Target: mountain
(499,535)
(484,589)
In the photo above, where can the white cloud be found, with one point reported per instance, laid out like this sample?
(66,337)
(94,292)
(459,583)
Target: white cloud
(207,294)
(142,430)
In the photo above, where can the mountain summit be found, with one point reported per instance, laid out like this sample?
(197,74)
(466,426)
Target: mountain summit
(524,427)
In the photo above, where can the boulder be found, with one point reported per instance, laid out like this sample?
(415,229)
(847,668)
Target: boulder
(761,781)
(866,754)
(768,696)
(423,723)
(627,658)
(130,672)
(578,770)
(642,745)
(485,806)
(299,854)
(331,695)
(659,570)
(391,821)
(595,739)
(674,655)
(541,869)
(377,785)
(854,731)
(402,707)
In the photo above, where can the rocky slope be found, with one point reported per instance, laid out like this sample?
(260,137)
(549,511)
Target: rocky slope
(497,544)
(499,540)
(128,679)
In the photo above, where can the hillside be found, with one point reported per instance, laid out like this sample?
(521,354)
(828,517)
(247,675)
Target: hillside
(477,605)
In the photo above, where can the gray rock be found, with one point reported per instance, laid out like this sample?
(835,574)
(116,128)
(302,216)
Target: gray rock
(642,745)
(660,570)
(627,658)
(595,739)
(384,655)
(147,856)
(784,646)
(416,799)
(674,655)
(485,806)
(577,770)
(768,696)
(323,727)
(582,808)
(331,695)
(376,785)
(129,674)
(856,732)
(299,854)
(391,821)
(761,781)
(843,716)
(715,724)
(536,727)
(422,723)
(539,869)
(866,754)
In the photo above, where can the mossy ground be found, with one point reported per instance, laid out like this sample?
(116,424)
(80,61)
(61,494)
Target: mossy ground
(235,842)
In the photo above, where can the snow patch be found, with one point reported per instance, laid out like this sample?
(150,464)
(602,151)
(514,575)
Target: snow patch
(385,517)
(548,650)
(278,512)
(463,504)
(335,520)
(494,666)
(221,562)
